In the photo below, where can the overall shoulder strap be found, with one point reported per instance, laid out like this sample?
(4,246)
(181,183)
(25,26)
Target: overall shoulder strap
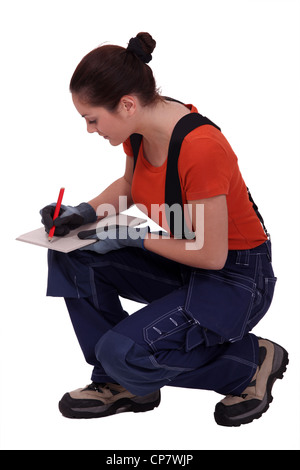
(135,140)
(258,213)
(172,185)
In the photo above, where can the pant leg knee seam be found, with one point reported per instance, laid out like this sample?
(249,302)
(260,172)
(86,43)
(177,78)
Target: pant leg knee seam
(164,366)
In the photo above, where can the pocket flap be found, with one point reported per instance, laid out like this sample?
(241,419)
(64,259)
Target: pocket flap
(221,302)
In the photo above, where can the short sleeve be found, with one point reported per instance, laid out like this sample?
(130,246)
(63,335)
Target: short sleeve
(127,147)
(206,168)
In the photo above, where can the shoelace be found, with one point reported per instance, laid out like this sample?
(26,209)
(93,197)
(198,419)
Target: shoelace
(97,387)
(100,387)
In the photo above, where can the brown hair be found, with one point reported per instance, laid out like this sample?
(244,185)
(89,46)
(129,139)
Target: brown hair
(109,72)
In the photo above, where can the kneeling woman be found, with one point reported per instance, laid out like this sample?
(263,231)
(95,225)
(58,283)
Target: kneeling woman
(202,295)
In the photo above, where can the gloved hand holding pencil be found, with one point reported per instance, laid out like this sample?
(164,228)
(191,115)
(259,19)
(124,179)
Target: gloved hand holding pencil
(69,217)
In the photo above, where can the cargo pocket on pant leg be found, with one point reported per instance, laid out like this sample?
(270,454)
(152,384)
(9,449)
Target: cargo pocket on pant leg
(220,302)
(168,331)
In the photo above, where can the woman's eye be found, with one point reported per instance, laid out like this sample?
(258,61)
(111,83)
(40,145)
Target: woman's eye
(93,122)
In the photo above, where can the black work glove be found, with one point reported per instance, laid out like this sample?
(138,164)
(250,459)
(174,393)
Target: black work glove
(69,217)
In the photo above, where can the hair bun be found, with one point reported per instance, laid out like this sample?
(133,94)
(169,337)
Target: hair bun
(148,42)
(142,46)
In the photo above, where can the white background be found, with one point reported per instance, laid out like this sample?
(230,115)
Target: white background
(238,62)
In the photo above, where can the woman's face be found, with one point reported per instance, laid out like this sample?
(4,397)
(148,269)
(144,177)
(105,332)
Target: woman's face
(114,126)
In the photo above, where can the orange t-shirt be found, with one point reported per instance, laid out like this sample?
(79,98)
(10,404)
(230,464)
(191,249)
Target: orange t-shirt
(207,167)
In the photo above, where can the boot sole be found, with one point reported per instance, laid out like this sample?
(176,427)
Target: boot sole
(69,409)
(248,417)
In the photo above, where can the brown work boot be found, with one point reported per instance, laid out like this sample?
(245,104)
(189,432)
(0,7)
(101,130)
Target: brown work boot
(255,399)
(99,400)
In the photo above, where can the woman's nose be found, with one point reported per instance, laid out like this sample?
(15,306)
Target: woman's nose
(91,128)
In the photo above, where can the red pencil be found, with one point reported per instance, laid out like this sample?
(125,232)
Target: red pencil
(56,212)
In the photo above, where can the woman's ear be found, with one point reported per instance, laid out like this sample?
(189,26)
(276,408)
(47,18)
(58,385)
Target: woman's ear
(128,104)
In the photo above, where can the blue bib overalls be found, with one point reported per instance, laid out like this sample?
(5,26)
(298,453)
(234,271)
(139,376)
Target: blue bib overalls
(193,331)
